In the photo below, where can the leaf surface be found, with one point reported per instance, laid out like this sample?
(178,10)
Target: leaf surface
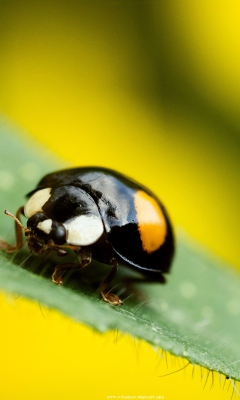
(196,315)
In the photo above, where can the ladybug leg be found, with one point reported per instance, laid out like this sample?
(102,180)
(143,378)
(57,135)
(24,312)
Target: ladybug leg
(84,257)
(18,232)
(104,286)
(60,270)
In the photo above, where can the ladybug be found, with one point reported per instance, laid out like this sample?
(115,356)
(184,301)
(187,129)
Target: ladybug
(100,214)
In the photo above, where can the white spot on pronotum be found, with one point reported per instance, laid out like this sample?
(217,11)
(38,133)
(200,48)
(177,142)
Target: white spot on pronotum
(29,171)
(36,202)
(6,180)
(84,229)
(188,290)
(234,307)
(45,226)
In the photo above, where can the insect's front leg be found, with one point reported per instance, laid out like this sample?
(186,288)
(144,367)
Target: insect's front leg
(84,257)
(18,232)
(105,285)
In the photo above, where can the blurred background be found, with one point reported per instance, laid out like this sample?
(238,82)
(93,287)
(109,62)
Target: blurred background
(150,88)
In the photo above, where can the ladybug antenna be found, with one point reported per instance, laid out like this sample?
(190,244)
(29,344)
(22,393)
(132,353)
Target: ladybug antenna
(16,220)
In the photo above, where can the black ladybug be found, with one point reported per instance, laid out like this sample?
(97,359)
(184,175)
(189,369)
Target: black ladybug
(100,214)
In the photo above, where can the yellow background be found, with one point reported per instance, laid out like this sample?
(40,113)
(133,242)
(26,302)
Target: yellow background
(151,89)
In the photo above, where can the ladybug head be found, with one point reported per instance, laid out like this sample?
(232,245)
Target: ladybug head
(44,233)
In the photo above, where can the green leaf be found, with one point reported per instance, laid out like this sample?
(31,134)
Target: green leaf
(195,315)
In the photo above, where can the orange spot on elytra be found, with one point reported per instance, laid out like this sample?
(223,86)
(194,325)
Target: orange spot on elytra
(151,221)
